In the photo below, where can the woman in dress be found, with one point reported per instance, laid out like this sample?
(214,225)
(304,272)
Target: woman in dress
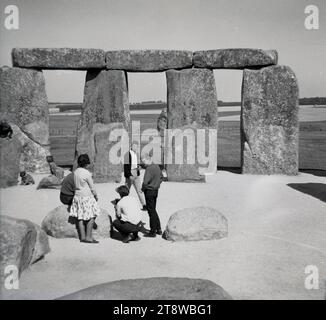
(84,204)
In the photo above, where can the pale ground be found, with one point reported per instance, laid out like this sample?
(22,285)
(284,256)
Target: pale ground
(274,233)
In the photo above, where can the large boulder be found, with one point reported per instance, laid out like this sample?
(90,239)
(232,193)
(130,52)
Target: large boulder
(10,153)
(50,182)
(59,224)
(199,223)
(269,121)
(153,289)
(23,101)
(148,60)
(58,58)
(234,58)
(21,243)
(105,103)
(192,105)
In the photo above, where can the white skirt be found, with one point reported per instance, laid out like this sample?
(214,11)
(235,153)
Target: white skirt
(84,208)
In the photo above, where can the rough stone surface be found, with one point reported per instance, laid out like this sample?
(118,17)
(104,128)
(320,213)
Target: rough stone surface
(199,223)
(58,58)
(105,102)
(33,155)
(153,289)
(269,121)
(191,105)
(104,168)
(58,224)
(234,58)
(10,153)
(148,60)
(42,245)
(23,101)
(21,243)
(50,182)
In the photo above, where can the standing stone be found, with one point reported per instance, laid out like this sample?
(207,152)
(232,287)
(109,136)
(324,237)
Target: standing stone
(105,169)
(23,102)
(33,156)
(269,121)
(192,105)
(10,152)
(234,58)
(148,60)
(58,58)
(105,102)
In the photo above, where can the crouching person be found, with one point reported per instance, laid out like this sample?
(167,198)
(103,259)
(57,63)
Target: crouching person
(129,215)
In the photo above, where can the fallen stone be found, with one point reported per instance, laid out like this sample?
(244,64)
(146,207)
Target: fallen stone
(198,223)
(192,105)
(50,182)
(58,58)
(269,121)
(10,153)
(59,224)
(152,289)
(105,103)
(148,60)
(21,243)
(234,58)
(23,101)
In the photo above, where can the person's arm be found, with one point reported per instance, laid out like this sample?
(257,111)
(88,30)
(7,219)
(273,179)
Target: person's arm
(147,178)
(90,182)
(118,211)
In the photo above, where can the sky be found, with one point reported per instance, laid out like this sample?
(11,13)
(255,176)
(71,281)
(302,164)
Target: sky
(170,24)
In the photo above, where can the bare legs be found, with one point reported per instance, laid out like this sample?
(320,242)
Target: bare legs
(85,230)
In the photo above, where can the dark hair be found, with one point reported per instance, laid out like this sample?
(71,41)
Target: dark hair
(5,129)
(83,160)
(22,173)
(49,159)
(123,191)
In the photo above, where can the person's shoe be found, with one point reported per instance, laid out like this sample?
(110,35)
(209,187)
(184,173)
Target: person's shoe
(127,238)
(144,208)
(135,238)
(90,241)
(150,234)
(159,232)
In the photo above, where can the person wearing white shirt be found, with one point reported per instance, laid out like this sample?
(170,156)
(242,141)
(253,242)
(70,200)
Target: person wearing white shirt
(129,215)
(132,174)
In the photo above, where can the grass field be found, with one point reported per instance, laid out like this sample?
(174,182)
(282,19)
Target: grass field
(312,144)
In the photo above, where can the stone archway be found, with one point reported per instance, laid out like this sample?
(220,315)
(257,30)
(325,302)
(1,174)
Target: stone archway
(269,116)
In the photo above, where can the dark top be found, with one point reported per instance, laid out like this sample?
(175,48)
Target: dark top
(152,178)
(68,185)
(127,166)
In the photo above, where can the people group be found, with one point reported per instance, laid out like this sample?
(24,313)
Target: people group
(79,194)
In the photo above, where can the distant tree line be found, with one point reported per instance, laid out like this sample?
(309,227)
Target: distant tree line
(315,100)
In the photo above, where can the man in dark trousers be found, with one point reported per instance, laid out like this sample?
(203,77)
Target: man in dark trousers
(151,183)
(132,174)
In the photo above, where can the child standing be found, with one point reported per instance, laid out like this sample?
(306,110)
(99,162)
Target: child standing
(84,204)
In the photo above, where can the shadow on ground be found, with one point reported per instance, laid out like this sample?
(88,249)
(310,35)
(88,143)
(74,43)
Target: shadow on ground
(317,190)
(318,173)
